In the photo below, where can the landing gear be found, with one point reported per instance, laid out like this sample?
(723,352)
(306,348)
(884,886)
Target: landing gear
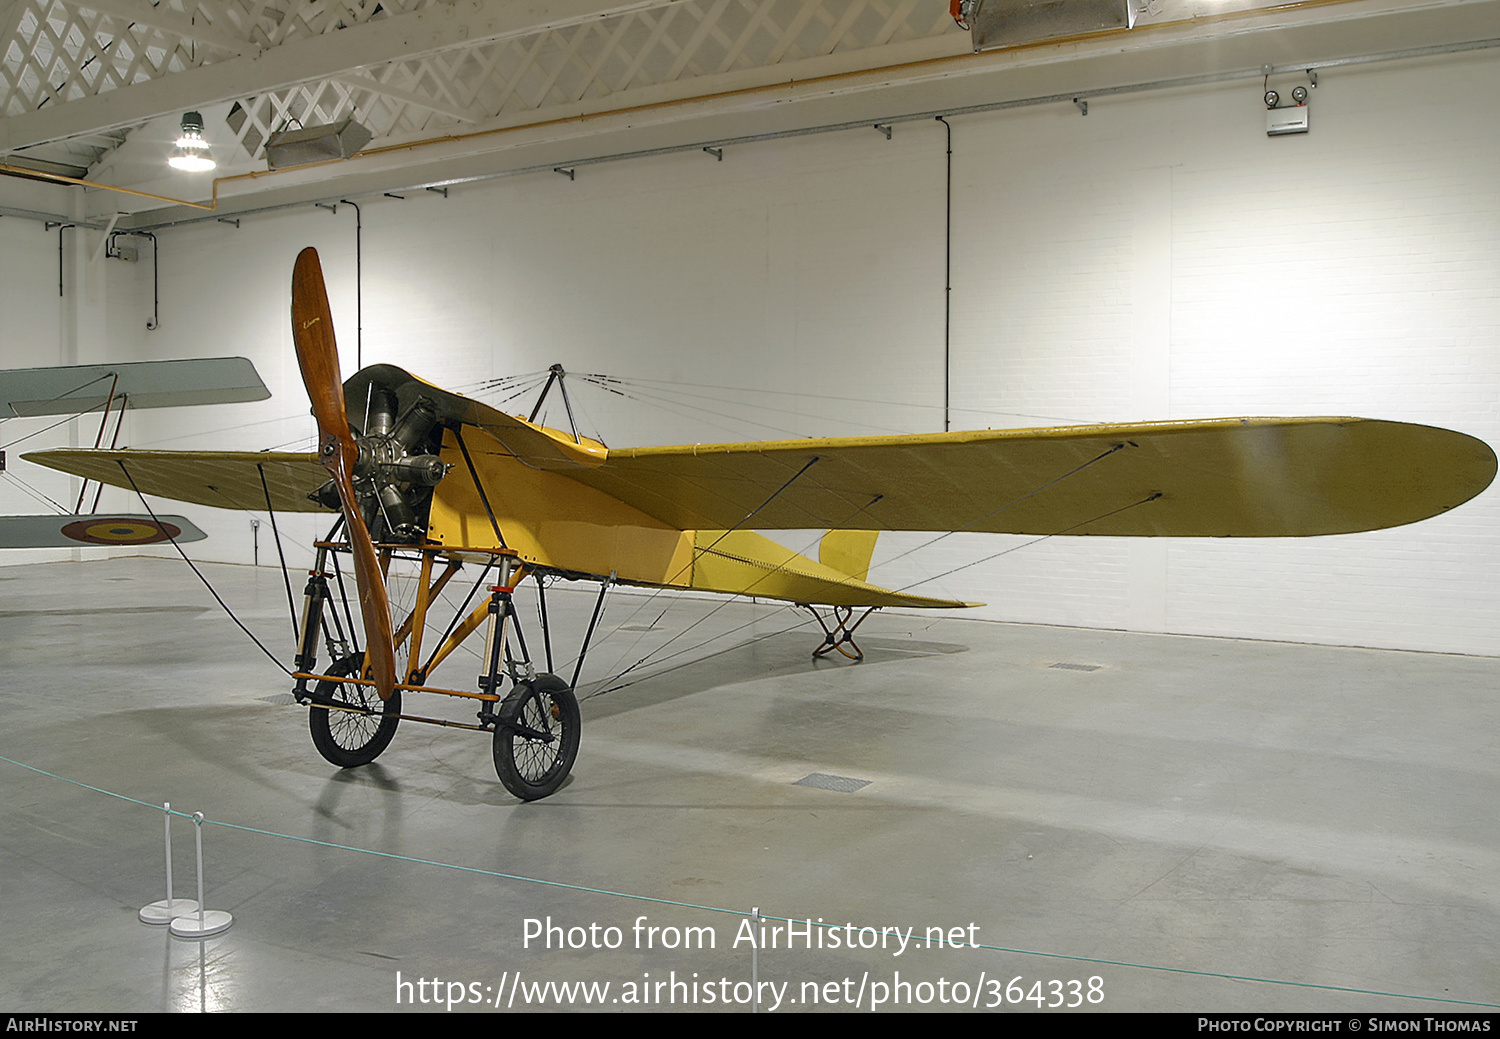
(840,634)
(536,737)
(532,718)
(356,725)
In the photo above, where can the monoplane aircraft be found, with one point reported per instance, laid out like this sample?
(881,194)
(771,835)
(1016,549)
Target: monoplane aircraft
(444,482)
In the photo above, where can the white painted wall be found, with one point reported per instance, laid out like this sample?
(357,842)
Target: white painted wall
(1163,257)
(42,327)
(1158,258)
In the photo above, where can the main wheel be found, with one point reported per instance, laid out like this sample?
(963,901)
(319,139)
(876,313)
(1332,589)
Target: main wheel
(536,739)
(349,738)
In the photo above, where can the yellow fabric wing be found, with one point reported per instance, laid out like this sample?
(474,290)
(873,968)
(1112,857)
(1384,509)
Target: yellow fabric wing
(224,479)
(1251,477)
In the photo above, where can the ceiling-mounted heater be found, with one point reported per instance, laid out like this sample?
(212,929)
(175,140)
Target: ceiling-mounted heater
(299,147)
(995,24)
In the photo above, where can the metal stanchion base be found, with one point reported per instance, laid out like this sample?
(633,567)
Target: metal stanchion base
(164,912)
(215,921)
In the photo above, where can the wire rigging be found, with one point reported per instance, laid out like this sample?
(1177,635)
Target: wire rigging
(36,494)
(604,381)
(1033,541)
(745,593)
(212,591)
(1013,502)
(44,429)
(276,535)
(641,396)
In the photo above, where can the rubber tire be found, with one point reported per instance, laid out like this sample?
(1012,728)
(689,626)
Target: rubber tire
(347,739)
(529,768)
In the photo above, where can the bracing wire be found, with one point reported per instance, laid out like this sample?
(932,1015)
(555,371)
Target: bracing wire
(77,414)
(212,591)
(276,535)
(40,496)
(44,429)
(745,593)
(604,381)
(1013,502)
(643,397)
(800,623)
(1033,541)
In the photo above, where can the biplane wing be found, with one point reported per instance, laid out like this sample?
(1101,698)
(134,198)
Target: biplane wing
(111,389)
(80,388)
(115,530)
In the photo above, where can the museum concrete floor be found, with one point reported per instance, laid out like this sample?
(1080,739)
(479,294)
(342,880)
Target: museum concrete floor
(1193,825)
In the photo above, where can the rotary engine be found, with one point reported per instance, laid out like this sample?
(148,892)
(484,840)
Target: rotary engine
(397,468)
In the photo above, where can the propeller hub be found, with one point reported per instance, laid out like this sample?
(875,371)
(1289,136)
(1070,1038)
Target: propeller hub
(393,469)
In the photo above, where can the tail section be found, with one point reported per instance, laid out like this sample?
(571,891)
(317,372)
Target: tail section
(848,551)
(746,563)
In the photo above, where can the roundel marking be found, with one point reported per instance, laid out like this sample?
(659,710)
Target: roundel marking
(117,530)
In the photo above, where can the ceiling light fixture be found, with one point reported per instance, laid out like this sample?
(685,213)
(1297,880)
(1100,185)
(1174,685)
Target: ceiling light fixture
(192,155)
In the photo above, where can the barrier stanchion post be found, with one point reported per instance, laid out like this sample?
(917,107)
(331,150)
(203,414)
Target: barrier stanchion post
(206,922)
(169,908)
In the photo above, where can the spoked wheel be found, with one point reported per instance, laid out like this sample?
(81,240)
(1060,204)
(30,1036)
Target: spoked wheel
(536,739)
(349,738)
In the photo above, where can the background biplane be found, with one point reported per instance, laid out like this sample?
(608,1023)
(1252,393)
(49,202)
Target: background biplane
(109,390)
(443,481)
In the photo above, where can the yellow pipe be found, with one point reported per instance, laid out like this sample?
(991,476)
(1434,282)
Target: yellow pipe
(23,171)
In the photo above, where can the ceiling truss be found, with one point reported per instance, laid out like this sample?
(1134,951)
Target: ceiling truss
(94,88)
(69,67)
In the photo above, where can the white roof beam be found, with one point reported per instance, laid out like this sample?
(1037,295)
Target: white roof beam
(448,23)
(166,20)
(432,104)
(10,20)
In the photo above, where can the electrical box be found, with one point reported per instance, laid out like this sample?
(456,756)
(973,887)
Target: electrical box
(1282,121)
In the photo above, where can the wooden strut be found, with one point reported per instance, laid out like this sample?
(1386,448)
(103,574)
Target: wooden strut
(841,635)
(99,439)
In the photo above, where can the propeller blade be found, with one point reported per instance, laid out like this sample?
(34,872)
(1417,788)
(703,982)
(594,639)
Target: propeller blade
(317,353)
(318,357)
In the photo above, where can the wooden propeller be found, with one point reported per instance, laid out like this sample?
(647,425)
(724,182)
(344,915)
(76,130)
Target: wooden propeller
(318,356)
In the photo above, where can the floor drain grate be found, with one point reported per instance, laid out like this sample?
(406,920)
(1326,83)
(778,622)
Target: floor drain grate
(1064,665)
(823,781)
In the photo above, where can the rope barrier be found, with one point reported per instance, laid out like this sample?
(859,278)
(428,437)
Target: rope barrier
(656,900)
